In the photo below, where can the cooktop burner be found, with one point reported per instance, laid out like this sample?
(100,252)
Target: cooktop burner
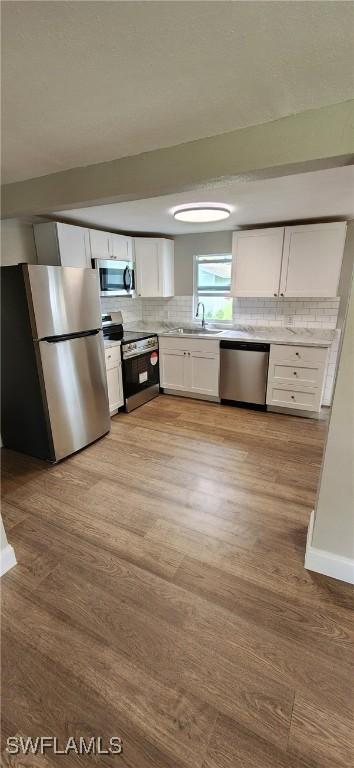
(135,336)
(113,330)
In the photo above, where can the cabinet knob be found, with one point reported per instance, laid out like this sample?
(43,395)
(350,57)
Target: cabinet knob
(275,294)
(109,357)
(293,397)
(282,294)
(297,354)
(295,373)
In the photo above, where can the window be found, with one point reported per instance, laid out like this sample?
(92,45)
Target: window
(212,286)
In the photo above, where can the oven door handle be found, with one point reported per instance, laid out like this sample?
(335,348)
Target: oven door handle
(129,355)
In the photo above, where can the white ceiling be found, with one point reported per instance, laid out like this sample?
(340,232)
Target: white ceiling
(84,82)
(302,196)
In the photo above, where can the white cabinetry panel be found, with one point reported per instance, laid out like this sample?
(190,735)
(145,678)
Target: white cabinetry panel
(312,259)
(154,265)
(114,378)
(185,368)
(256,262)
(296,377)
(291,261)
(99,242)
(63,245)
(172,369)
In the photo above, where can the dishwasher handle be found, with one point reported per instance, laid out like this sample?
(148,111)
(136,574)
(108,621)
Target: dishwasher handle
(248,346)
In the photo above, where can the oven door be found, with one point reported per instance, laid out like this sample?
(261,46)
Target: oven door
(116,277)
(141,378)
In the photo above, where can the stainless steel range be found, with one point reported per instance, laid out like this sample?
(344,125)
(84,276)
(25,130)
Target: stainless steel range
(140,361)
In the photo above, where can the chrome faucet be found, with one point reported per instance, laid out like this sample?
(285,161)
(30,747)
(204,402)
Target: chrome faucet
(201,304)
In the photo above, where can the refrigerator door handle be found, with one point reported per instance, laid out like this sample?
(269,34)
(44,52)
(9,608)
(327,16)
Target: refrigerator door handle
(69,336)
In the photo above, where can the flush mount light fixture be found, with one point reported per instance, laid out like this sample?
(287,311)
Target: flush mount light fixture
(197,213)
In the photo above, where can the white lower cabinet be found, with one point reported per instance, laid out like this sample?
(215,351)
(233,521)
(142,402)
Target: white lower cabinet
(190,366)
(203,369)
(114,378)
(173,369)
(296,377)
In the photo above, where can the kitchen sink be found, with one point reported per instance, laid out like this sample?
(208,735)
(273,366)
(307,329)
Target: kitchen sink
(195,331)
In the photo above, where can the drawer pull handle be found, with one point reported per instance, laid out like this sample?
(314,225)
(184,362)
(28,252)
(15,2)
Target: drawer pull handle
(295,373)
(293,397)
(297,354)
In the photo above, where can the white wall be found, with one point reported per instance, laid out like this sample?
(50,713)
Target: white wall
(17,242)
(331,548)
(7,554)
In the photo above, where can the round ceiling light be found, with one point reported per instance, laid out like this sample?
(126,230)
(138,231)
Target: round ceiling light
(197,213)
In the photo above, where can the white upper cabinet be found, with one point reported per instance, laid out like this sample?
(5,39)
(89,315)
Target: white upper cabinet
(99,242)
(292,261)
(121,247)
(256,262)
(154,266)
(63,245)
(312,259)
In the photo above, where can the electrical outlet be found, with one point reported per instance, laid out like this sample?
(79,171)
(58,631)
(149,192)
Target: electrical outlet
(290,320)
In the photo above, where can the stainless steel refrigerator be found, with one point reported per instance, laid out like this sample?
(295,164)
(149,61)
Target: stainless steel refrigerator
(53,377)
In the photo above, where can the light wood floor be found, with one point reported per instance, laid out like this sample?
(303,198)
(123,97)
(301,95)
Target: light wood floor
(160,595)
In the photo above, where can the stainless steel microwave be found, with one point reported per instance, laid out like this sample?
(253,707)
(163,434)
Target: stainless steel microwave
(116,277)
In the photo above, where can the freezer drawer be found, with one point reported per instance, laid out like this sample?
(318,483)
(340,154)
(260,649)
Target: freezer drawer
(75,391)
(62,300)
(243,372)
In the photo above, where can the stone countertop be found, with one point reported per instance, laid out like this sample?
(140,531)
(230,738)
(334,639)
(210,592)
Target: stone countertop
(111,343)
(312,337)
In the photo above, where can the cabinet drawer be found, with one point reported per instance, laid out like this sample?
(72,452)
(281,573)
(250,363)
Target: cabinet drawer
(301,399)
(188,344)
(295,375)
(112,357)
(290,353)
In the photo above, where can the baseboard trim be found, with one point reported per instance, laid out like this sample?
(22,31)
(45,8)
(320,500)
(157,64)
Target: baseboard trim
(320,561)
(8,559)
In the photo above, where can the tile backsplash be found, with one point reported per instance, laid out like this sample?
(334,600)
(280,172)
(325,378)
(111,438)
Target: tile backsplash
(131,309)
(305,313)
(301,313)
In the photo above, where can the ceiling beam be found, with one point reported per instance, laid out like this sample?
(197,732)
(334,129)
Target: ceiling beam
(311,140)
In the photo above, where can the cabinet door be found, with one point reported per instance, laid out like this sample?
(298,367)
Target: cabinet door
(114,389)
(172,369)
(312,259)
(120,386)
(120,247)
(99,242)
(203,373)
(166,267)
(72,246)
(256,262)
(147,266)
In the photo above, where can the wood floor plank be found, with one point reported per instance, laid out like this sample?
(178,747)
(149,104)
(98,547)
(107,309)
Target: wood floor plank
(234,747)
(164,714)
(72,709)
(160,590)
(327,739)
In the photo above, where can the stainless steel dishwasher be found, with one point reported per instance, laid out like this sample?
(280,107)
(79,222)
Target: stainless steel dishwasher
(244,372)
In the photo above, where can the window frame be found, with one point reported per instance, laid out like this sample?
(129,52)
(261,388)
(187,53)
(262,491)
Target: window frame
(198,294)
